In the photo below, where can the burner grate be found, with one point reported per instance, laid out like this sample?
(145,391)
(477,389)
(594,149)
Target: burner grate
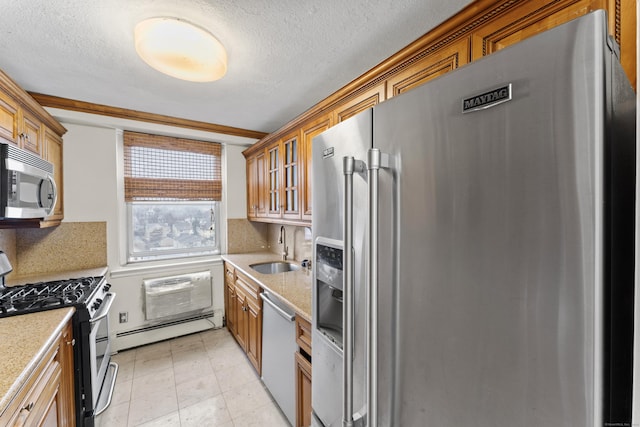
(45,295)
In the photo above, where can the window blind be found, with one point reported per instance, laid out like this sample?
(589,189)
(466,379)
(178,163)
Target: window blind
(158,168)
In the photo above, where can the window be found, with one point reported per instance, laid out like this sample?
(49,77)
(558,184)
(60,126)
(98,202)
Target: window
(173,189)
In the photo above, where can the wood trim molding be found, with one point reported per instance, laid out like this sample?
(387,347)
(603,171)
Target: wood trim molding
(123,113)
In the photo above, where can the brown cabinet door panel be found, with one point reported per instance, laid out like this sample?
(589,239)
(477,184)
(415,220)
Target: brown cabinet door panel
(314,128)
(433,65)
(303,391)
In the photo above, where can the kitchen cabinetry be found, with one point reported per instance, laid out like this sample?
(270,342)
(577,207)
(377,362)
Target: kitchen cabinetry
(303,372)
(256,186)
(437,63)
(24,123)
(47,397)
(310,130)
(481,28)
(230,297)
(273,182)
(244,314)
(53,154)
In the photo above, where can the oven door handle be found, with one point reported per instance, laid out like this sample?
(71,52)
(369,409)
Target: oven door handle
(105,310)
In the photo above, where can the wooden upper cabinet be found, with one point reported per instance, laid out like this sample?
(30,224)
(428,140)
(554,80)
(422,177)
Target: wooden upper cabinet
(291,178)
(256,186)
(432,64)
(8,118)
(360,102)
(527,19)
(310,130)
(24,123)
(53,154)
(30,133)
(274,180)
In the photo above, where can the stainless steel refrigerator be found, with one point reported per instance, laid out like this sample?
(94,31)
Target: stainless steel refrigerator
(474,245)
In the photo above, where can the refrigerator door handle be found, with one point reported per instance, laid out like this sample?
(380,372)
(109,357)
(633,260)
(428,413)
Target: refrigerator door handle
(350,165)
(376,160)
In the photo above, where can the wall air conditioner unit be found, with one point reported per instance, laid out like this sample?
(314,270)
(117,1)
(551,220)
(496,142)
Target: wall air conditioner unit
(177,296)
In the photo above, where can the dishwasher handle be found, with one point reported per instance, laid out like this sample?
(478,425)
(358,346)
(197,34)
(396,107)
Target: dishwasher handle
(280,311)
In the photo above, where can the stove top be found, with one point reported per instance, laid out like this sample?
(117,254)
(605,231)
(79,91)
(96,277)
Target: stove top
(48,295)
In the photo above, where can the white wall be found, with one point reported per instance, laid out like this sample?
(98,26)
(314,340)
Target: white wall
(93,192)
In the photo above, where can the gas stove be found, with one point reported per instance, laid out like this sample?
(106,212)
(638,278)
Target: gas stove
(86,294)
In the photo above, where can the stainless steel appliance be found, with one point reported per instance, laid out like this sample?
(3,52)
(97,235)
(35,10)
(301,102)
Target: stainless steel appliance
(487,237)
(278,353)
(95,374)
(27,188)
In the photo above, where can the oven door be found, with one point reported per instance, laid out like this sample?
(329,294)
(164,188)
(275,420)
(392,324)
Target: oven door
(99,346)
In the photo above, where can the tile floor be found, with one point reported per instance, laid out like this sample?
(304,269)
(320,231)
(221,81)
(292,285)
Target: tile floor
(203,379)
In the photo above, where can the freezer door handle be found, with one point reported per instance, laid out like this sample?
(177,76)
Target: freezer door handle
(376,160)
(350,165)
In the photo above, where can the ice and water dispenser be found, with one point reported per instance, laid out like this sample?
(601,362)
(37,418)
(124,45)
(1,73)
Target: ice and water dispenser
(329,289)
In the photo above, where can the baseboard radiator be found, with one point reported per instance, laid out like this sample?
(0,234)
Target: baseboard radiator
(172,298)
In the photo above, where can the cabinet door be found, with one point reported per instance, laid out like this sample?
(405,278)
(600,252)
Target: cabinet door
(303,391)
(231,309)
(273,181)
(8,118)
(240,318)
(308,132)
(31,134)
(53,153)
(432,65)
(527,19)
(256,197)
(362,101)
(290,174)
(254,336)
(66,401)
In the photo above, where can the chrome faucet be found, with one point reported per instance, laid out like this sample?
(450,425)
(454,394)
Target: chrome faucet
(283,241)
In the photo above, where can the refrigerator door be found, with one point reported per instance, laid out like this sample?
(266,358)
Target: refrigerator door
(491,255)
(349,138)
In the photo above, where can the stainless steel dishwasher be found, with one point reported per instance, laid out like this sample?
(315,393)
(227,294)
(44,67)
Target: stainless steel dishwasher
(278,349)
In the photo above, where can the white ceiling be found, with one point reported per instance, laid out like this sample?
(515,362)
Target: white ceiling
(284,55)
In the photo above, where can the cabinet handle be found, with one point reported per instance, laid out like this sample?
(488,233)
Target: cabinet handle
(23,415)
(72,342)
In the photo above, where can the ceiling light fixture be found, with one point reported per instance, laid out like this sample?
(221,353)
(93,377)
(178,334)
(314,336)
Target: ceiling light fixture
(180,49)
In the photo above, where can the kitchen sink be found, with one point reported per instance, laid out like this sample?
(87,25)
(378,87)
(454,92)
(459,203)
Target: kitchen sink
(274,267)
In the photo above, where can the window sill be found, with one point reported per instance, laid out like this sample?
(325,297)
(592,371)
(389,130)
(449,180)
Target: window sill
(166,265)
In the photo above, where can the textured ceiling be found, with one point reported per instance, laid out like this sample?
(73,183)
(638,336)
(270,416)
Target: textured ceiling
(284,55)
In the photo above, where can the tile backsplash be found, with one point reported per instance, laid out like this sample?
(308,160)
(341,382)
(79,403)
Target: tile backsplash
(69,246)
(247,236)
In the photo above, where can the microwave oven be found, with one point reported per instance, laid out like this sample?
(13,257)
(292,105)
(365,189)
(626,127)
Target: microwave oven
(27,188)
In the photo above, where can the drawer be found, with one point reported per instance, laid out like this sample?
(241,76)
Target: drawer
(251,288)
(303,334)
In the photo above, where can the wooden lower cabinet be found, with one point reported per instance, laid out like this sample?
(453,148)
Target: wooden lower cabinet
(303,372)
(47,398)
(244,314)
(303,391)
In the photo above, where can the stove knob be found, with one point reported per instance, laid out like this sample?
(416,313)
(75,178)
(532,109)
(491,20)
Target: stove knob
(106,287)
(95,305)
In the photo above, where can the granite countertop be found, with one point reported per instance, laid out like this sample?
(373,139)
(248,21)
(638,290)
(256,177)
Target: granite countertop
(25,339)
(293,287)
(60,275)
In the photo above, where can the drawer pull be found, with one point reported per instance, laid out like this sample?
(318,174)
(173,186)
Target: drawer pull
(72,342)
(28,407)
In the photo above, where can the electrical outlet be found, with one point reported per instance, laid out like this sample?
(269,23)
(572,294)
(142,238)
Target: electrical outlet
(124,317)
